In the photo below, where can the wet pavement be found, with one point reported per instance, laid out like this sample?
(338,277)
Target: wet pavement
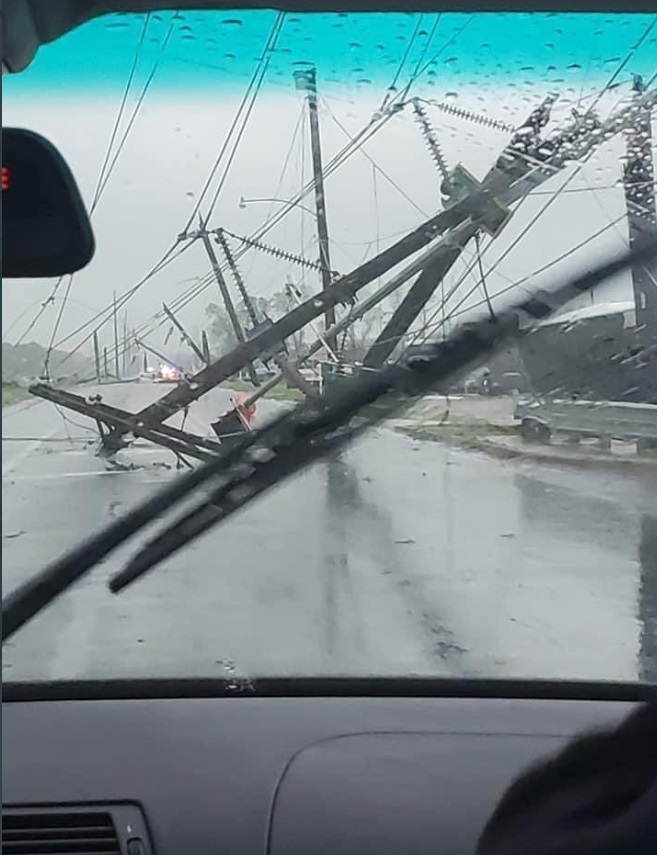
(399,558)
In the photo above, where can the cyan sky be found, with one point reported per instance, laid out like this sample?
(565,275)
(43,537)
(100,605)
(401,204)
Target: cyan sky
(217,51)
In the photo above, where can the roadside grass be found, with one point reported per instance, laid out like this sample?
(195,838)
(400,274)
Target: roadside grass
(463,433)
(12,393)
(279,393)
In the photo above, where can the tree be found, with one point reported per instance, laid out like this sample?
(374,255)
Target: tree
(221,332)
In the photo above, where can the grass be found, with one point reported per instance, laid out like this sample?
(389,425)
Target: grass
(279,393)
(12,393)
(462,433)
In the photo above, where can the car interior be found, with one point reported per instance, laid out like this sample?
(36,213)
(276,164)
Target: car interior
(321,765)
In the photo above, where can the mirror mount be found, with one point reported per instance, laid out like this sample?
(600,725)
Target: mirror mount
(46,230)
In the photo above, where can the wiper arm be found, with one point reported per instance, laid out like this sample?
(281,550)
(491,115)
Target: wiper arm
(282,454)
(294,439)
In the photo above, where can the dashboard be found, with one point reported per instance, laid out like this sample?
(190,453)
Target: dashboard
(264,771)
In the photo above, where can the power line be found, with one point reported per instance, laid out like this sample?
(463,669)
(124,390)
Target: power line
(403,59)
(135,112)
(374,163)
(166,259)
(271,40)
(454,313)
(628,56)
(105,171)
(119,115)
(263,72)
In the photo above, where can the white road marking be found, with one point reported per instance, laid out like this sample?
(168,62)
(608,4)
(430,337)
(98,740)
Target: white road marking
(26,452)
(55,476)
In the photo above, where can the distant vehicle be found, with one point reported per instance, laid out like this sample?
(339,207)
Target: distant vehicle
(168,374)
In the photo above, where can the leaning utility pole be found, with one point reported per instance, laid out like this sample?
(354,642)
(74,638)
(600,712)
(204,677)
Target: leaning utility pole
(306,81)
(185,335)
(279,356)
(225,293)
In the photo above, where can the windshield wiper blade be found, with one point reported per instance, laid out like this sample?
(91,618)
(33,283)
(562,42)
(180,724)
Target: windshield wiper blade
(234,467)
(281,456)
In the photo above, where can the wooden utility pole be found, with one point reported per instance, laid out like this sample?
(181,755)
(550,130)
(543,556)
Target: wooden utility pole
(97,357)
(116,338)
(306,81)
(125,345)
(105,363)
(225,294)
(207,358)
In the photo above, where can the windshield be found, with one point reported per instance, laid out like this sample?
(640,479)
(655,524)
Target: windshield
(238,164)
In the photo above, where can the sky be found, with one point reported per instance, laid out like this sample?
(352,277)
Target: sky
(188,74)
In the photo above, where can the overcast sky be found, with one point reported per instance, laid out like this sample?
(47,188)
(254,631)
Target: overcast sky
(497,66)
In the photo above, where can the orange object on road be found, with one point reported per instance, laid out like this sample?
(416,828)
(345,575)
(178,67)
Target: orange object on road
(247,412)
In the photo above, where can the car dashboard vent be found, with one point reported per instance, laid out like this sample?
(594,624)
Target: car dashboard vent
(59,833)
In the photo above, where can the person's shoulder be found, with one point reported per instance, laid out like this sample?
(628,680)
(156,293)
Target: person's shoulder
(597,795)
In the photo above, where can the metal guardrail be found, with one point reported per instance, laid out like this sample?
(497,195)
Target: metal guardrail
(607,420)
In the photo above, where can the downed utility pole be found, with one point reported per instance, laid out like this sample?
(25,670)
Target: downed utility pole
(183,332)
(119,422)
(456,185)
(147,347)
(513,177)
(225,293)
(531,161)
(293,377)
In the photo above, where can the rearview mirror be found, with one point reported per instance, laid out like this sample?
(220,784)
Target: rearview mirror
(45,227)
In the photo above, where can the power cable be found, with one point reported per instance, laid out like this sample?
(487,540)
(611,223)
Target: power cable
(135,112)
(123,299)
(119,115)
(628,56)
(454,313)
(99,186)
(375,164)
(273,36)
(263,72)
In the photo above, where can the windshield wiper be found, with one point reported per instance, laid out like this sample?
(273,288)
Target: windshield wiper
(289,443)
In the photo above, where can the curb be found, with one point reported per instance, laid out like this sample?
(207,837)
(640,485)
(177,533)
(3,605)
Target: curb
(502,451)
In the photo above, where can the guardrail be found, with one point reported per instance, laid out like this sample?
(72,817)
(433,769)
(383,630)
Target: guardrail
(604,420)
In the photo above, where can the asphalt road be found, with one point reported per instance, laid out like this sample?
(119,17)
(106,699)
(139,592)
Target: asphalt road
(400,558)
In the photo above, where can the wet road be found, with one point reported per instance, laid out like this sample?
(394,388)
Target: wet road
(400,558)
